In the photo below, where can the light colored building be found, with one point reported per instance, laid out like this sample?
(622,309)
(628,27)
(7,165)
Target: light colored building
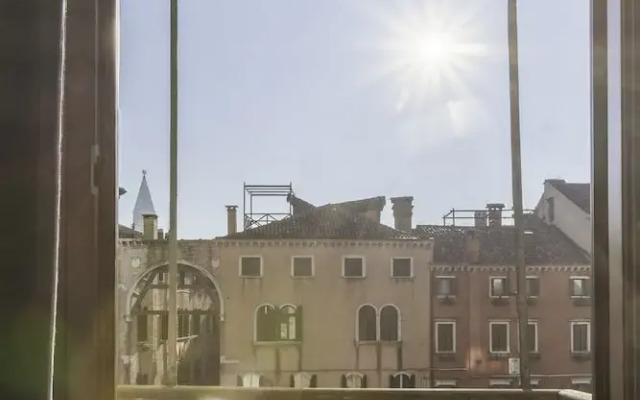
(327,297)
(568,207)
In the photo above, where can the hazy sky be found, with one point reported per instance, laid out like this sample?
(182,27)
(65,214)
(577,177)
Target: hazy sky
(331,96)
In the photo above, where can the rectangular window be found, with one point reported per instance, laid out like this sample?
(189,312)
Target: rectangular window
(251,267)
(353,267)
(445,337)
(532,336)
(164,326)
(446,286)
(580,337)
(195,324)
(499,337)
(183,325)
(498,286)
(302,267)
(162,277)
(401,268)
(142,328)
(579,286)
(533,286)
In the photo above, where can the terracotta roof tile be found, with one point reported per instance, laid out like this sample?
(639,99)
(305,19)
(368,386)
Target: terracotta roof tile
(326,222)
(546,245)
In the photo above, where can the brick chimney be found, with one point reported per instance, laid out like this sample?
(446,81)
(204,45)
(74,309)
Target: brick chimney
(495,213)
(149,226)
(232,220)
(403,213)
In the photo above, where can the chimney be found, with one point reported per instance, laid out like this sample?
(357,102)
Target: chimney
(232,220)
(161,234)
(402,213)
(480,218)
(150,227)
(495,213)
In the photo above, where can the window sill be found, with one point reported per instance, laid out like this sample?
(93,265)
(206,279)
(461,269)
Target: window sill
(499,355)
(581,356)
(249,277)
(302,277)
(581,301)
(353,277)
(446,356)
(372,342)
(274,343)
(402,278)
(500,301)
(447,299)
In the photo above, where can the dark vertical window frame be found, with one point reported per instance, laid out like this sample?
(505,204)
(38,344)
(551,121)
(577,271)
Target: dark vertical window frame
(600,196)
(27,170)
(630,190)
(28,154)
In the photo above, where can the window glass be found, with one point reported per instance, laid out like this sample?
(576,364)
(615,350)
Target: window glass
(499,337)
(353,267)
(445,333)
(250,266)
(401,267)
(302,267)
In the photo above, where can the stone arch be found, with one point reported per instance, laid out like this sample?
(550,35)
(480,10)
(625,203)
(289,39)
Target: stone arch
(208,275)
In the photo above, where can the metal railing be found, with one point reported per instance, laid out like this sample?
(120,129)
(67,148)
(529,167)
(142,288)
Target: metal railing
(240,393)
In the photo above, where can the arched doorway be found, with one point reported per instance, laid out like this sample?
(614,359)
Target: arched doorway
(200,309)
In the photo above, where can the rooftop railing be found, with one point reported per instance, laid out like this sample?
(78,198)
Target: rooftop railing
(240,393)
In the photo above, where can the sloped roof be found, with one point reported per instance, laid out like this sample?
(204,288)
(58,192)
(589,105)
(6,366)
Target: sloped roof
(577,193)
(326,222)
(358,206)
(546,245)
(124,232)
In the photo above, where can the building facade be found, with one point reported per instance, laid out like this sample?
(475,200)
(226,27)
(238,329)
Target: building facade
(568,207)
(475,320)
(326,297)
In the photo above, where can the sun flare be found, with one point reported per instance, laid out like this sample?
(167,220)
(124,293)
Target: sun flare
(426,50)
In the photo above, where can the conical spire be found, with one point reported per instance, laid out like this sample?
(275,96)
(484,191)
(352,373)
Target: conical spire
(144,204)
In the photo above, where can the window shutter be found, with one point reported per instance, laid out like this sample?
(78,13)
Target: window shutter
(299,323)
(292,381)
(261,381)
(276,318)
(343,381)
(587,287)
(364,380)
(412,381)
(239,380)
(570,287)
(314,381)
(505,287)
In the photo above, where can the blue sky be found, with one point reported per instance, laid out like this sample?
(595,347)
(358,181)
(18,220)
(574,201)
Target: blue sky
(316,93)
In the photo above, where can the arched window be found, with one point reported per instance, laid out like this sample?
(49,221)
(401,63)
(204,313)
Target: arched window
(265,323)
(367,324)
(303,380)
(389,324)
(250,380)
(288,323)
(354,381)
(402,380)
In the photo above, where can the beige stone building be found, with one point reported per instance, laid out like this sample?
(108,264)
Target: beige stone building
(327,297)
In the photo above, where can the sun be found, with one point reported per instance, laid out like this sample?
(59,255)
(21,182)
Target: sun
(433,50)
(426,50)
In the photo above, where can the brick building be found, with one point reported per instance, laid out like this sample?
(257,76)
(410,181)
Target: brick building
(474,307)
